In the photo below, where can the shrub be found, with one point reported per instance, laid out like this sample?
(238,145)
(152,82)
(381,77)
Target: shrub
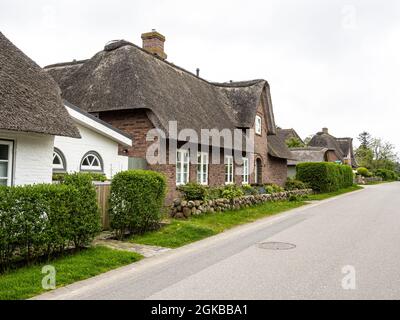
(293,184)
(136,200)
(94,175)
(214,193)
(44,219)
(87,219)
(232,191)
(325,176)
(364,172)
(193,191)
(272,188)
(249,190)
(386,175)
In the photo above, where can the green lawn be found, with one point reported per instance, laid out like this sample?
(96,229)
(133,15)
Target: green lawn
(27,281)
(322,196)
(180,232)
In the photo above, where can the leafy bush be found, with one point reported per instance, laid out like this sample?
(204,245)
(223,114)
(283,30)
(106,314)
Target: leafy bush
(232,191)
(273,188)
(249,190)
(44,219)
(325,176)
(364,172)
(136,200)
(386,175)
(86,222)
(214,193)
(293,184)
(193,191)
(95,176)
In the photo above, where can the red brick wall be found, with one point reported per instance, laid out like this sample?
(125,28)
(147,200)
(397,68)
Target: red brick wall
(134,122)
(276,171)
(137,124)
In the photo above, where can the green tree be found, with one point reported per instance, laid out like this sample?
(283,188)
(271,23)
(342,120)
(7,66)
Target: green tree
(294,142)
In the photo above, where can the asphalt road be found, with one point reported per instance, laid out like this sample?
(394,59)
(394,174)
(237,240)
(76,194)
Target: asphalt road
(345,248)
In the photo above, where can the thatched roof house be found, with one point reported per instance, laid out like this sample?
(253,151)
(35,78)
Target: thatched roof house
(286,134)
(342,146)
(30,100)
(136,90)
(31,115)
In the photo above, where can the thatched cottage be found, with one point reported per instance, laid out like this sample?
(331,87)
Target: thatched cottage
(31,114)
(343,146)
(136,90)
(39,131)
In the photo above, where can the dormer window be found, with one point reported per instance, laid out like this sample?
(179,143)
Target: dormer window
(258,125)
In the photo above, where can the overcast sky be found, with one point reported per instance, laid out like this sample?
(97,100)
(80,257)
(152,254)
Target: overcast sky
(329,63)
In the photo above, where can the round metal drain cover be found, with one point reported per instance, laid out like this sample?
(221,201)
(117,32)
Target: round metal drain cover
(276,245)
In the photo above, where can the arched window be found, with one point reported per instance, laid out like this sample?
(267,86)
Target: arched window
(59,163)
(91,161)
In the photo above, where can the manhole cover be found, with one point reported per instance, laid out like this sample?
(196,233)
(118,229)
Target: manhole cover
(276,245)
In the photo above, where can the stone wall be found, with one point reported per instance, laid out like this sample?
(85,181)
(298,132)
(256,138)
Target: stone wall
(184,209)
(365,180)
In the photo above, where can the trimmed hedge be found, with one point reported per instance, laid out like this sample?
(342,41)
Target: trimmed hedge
(136,200)
(325,176)
(45,219)
(386,175)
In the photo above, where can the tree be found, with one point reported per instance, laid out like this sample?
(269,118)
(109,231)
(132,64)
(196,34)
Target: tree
(294,142)
(365,139)
(374,153)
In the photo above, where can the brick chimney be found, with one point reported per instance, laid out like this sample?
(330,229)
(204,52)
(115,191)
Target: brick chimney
(325,130)
(153,42)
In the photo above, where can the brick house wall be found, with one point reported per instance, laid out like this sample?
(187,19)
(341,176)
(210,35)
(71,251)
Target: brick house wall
(137,124)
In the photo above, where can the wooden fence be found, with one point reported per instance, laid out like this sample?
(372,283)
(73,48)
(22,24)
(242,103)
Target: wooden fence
(103,196)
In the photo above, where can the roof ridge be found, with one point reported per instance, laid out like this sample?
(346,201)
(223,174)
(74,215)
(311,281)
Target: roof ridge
(127,43)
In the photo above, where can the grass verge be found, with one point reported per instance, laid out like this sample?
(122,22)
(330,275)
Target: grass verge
(26,282)
(180,232)
(322,196)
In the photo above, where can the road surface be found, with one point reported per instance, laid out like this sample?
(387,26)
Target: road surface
(345,248)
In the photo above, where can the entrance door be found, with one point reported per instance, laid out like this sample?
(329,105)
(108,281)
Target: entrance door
(258,171)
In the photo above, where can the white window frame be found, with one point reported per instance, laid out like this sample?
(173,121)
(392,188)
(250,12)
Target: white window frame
(59,167)
(245,176)
(91,168)
(202,168)
(228,170)
(182,167)
(9,161)
(258,125)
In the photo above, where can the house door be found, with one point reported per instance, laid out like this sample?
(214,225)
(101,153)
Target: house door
(258,171)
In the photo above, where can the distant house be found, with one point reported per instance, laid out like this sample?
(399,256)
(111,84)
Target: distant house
(31,115)
(310,154)
(96,151)
(342,146)
(287,134)
(136,90)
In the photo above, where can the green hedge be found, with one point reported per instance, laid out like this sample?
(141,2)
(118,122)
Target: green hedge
(386,175)
(325,176)
(136,200)
(45,219)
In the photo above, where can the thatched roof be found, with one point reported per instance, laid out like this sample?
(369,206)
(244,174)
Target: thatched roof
(326,140)
(124,76)
(278,148)
(30,100)
(286,134)
(342,146)
(308,154)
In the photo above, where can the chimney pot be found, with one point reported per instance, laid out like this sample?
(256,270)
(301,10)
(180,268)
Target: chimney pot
(153,42)
(325,130)
(197,72)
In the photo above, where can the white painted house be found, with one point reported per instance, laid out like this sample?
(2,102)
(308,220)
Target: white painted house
(31,115)
(96,151)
